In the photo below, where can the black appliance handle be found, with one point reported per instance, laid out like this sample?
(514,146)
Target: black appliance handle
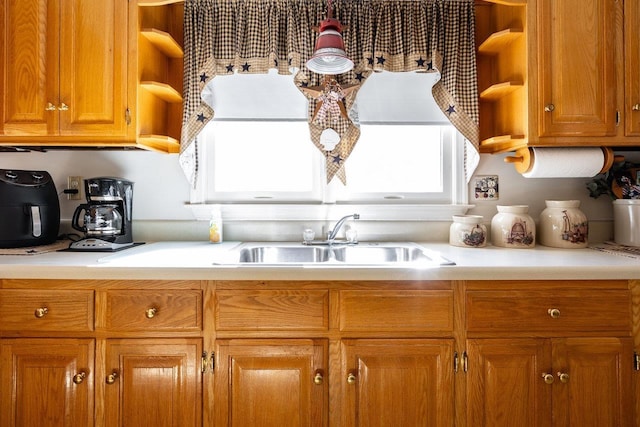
(76,217)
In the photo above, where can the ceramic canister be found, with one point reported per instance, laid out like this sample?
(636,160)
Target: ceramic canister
(468,231)
(563,225)
(513,227)
(626,222)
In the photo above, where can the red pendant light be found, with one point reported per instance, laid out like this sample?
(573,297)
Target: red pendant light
(329,56)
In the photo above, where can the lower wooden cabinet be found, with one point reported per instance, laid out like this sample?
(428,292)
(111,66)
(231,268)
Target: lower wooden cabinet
(153,382)
(46,382)
(100,353)
(397,382)
(550,382)
(318,354)
(545,353)
(271,382)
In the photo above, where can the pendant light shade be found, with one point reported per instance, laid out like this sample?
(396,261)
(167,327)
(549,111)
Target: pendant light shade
(329,56)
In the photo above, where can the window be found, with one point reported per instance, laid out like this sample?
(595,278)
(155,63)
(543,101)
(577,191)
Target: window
(257,148)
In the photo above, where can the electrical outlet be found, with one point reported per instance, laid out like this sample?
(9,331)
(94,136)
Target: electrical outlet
(73,183)
(486,187)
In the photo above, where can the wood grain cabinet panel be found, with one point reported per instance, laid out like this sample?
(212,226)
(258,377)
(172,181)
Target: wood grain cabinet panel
(548,313)
(387,382)
(576,67)
(153,382)
(632,67)
(151,310)
(271,383)
(47,382)
(396,310)
(46,310)
(505,386)
(272,309)
(63,71)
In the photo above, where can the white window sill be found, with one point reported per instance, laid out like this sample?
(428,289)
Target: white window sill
(307,212)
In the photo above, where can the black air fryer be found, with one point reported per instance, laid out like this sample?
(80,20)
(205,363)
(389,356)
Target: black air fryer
(29,209)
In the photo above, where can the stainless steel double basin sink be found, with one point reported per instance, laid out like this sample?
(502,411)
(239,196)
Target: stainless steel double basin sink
(362,254)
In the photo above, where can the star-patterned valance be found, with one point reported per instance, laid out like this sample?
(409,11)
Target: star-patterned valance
(252,36)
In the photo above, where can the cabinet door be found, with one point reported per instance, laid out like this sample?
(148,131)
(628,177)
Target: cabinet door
(93,67)
(389,382)
(576,67)
(153,382)
(28,66)
(271,383)
(632,67)
(46,382)
(506,384)
(593,382)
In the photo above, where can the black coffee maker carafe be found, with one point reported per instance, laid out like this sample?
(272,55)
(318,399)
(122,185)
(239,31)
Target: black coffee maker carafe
(106,222)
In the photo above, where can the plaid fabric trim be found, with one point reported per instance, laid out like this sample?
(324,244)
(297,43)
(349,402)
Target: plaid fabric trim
(253,36)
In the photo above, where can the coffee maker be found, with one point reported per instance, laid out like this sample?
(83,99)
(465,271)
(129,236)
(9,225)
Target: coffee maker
(107,215)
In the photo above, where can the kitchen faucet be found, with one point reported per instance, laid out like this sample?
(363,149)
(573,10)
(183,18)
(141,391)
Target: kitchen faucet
(331,235)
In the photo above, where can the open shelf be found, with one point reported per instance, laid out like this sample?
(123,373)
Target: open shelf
(164,42)
(158,2)
(502,143)
(499,90)
(497,42)
(162,143)
(509,2)
(163,91)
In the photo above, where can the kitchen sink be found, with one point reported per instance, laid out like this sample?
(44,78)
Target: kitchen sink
(381,253)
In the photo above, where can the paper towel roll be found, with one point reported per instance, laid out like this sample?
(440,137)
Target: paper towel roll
(562,162)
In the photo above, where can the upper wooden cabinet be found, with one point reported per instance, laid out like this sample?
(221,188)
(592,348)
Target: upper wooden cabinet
(81,73)
(549,73)
(632,67)
(64,70)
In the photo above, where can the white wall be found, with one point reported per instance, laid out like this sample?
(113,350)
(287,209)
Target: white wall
(161,190)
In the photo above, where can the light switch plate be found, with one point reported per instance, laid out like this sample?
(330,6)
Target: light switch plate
(485,187)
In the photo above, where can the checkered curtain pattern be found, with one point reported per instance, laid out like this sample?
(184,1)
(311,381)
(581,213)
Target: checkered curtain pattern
(252,36)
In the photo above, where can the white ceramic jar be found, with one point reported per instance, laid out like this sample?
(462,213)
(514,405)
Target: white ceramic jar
(468,231)
(513,227)
(626,222)
(563,225)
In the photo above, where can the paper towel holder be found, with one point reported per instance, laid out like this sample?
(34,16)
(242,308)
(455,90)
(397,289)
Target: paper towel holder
(524,159)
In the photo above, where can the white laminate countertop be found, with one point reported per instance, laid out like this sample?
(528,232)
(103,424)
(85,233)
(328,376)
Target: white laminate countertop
(196,261)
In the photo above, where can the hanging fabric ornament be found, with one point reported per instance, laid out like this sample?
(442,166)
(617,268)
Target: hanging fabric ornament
(329,98)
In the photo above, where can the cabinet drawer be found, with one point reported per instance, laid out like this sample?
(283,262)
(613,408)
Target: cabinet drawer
(46,310)
(252,310)
(396,310)
(166,310)
(548,313)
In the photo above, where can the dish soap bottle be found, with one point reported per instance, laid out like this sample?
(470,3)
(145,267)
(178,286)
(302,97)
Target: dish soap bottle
(215,225)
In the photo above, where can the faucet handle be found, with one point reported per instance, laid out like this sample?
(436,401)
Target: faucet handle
(308,235)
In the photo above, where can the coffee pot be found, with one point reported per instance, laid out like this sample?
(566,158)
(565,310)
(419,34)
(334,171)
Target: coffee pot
(106,222)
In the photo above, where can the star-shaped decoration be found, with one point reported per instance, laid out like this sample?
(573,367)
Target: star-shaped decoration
(451,109)
(430,65)
(337,158)
(380,60)
(370,60)
(420,62)
(329,87)
(230,68)
(245,66)
(203,77)
(201,117)
(359,77)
